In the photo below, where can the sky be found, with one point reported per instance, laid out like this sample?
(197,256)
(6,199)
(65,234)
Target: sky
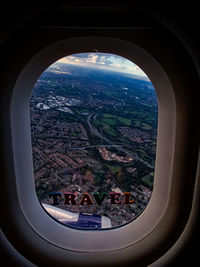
(104,61)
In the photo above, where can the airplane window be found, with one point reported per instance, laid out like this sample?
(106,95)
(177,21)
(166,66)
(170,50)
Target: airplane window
(94,133)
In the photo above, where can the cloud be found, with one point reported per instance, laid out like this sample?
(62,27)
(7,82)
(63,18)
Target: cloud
(77,60)
(108,62)
(103,61)
(92,58)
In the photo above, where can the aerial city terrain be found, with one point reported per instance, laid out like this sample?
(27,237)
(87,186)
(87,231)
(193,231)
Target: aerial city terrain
(94,130)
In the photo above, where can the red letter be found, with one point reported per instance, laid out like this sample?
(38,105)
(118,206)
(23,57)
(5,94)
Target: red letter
(126,198)
(70,197)
(114,197)
(86,199)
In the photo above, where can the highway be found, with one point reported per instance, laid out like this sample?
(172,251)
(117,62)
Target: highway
(118,145)
(94,130)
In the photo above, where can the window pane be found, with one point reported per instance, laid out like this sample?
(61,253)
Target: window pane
(94,131)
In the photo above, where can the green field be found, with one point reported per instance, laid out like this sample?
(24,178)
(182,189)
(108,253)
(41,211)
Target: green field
(107,115)
(109,130)
(109,122)
(123,120)
(137,123)
(146,126)
(148,179)
(114,168)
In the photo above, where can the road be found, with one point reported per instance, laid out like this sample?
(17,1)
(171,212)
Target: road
(110,143)
(94,130)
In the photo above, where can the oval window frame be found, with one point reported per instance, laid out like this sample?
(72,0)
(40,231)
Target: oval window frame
(106,240)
